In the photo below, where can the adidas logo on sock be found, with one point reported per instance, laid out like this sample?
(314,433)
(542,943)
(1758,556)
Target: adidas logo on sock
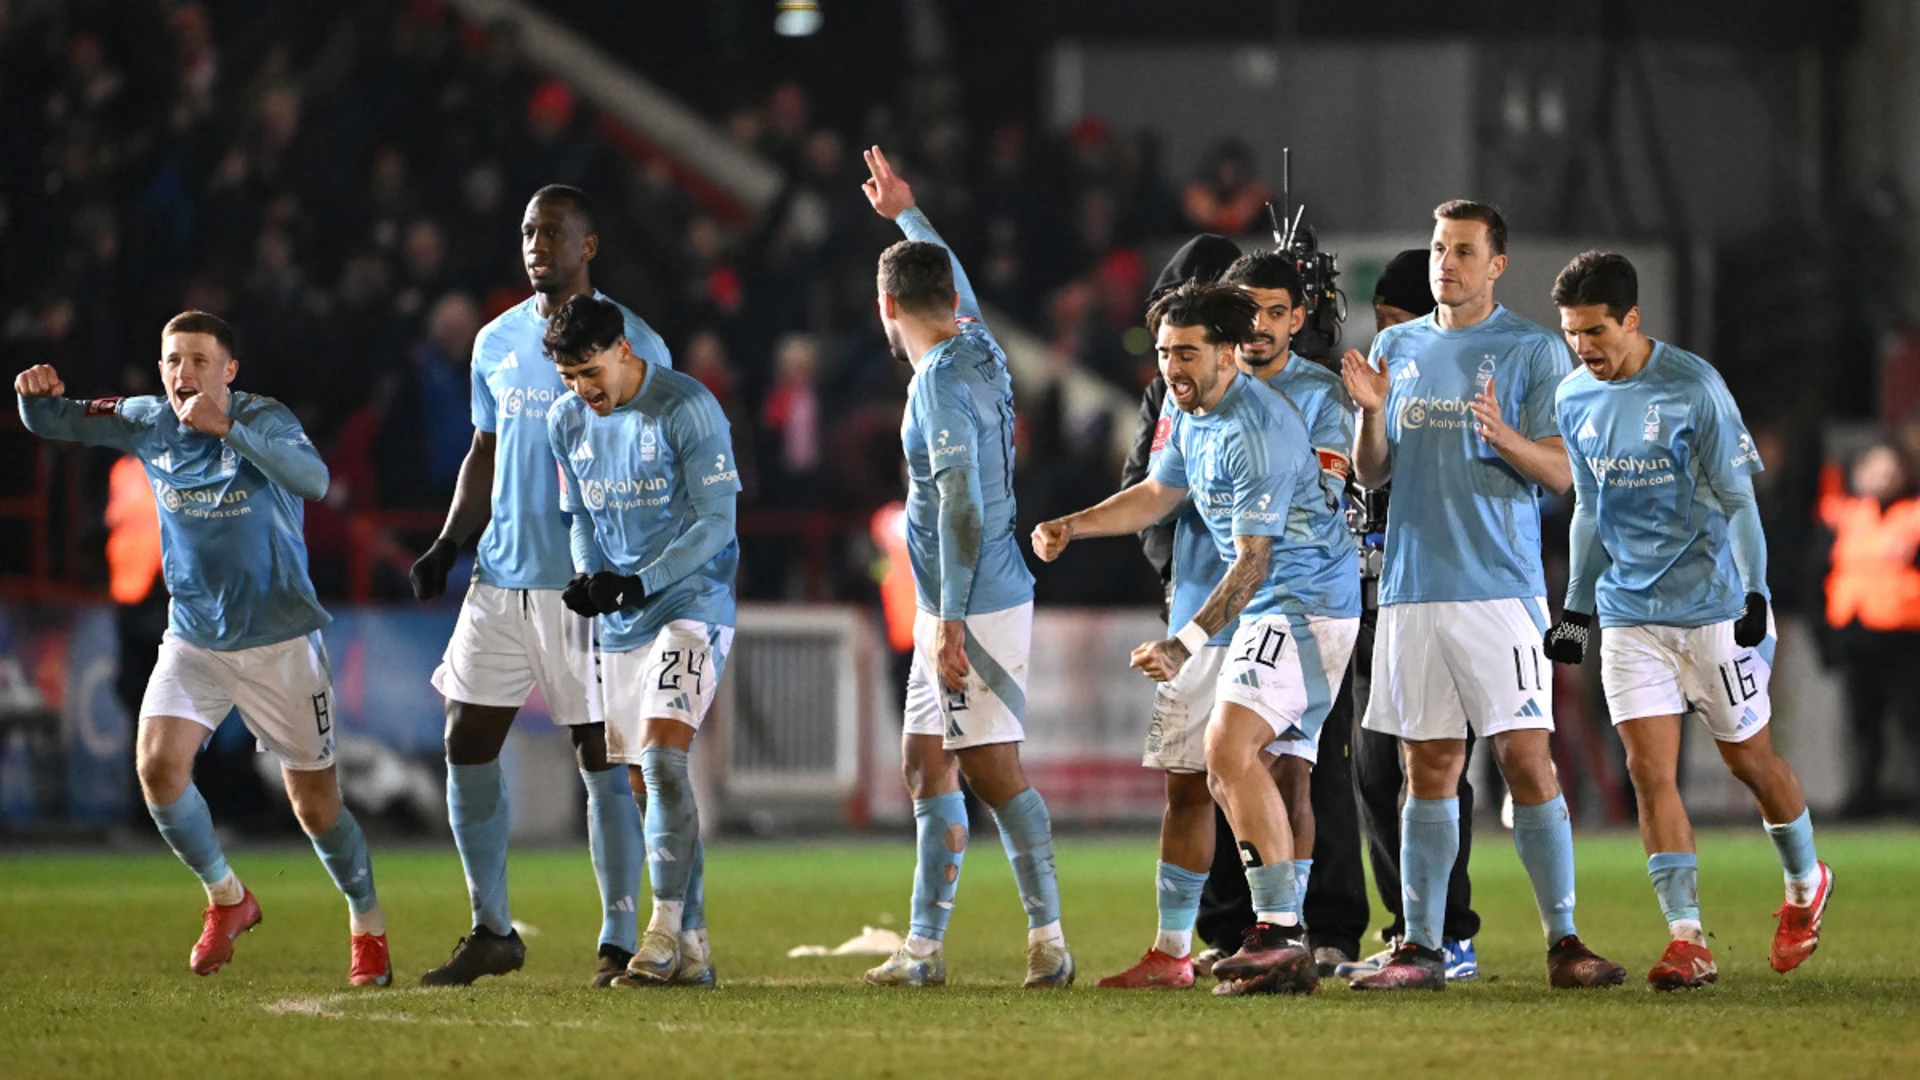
(1531,708)
(661,854)
(625,903)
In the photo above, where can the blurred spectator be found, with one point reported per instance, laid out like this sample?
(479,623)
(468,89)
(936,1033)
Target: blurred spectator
(1873,612)
(792,422)
(1227,197)
(442,406)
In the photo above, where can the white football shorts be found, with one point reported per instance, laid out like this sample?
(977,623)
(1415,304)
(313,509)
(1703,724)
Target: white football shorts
(1287,669)
(1674,670)
(674,677)
(1442,668)
(1177,737)
(509,641)
(992,707)
(284,692)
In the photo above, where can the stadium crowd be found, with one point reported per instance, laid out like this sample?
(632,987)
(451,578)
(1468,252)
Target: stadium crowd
(343,182)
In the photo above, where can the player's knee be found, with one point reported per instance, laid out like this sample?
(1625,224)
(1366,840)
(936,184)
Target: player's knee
(1750,764)
(474,737)
(316,806)
(1650,773)
(163,778)
(590,746)
(1188,791)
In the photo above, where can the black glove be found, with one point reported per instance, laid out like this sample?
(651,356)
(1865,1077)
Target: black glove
(577,596)
(429,573)
(612,592)
(1566,643)
(1750,628)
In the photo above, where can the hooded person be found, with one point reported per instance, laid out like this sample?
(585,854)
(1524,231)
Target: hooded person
(1203,258)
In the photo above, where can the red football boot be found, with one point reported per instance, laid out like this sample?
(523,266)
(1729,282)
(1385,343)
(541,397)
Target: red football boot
(1799,932)
(1155,971)
(1684,966)
(224,922)
(371,967)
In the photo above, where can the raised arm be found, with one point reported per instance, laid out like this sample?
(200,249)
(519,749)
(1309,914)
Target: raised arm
(1128,511)
(893,199)
(49,415)
(1367,384)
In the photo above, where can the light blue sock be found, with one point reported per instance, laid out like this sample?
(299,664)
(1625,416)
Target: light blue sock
(1179,893)
(936,870)
(694,915)
(1794,842)
(1429,841)
(187,827)
(619,852)
(477,809)
(1543,835)
(1273,891)
(1302,870)
(1676,881)
(673,822)
(1026,831)
(343,851)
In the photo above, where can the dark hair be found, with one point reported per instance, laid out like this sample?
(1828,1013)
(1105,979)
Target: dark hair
(1225,312)
(201,322)
(919,277)
(1598,277)
(1267,270)
(1468,210)
(570,195)
(583,326)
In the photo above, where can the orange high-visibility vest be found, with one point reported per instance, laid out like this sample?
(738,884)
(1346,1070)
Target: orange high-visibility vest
(133,532)
(889,525)
(1873,581)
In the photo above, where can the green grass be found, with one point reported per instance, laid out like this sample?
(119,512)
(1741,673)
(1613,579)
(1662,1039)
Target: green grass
(95,981)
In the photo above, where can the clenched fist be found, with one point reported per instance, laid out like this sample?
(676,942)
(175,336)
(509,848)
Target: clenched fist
(40,380)
(205,415)
(1050,538)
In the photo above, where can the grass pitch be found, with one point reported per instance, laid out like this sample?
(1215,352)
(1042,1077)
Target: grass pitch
(96,983)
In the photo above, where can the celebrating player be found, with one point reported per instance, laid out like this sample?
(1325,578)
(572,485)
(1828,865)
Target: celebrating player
(229,470)
(1291,586)
(1457,410)
(1184,704)
(967,694)
(1667,551)
(514,632)
(648,474)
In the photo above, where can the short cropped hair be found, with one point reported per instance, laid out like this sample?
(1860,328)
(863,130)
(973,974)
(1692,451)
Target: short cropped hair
(583,326)
(919,276)
(1267,270)
(1468,210)
(572,196)
(1224,312)
(1598,277)
(202,322)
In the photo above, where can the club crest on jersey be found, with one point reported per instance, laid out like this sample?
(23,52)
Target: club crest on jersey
(1161,431)
(1485,374)
(228,461)
(649,441)
(105,406)
(1650,427)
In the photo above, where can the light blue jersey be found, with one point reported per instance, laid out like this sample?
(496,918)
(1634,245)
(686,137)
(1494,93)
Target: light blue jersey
(1464,525)
(232,517)
(1250,469)
(1322,399)
(514,384)
(657,480)
(1661,462)
(960,416)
